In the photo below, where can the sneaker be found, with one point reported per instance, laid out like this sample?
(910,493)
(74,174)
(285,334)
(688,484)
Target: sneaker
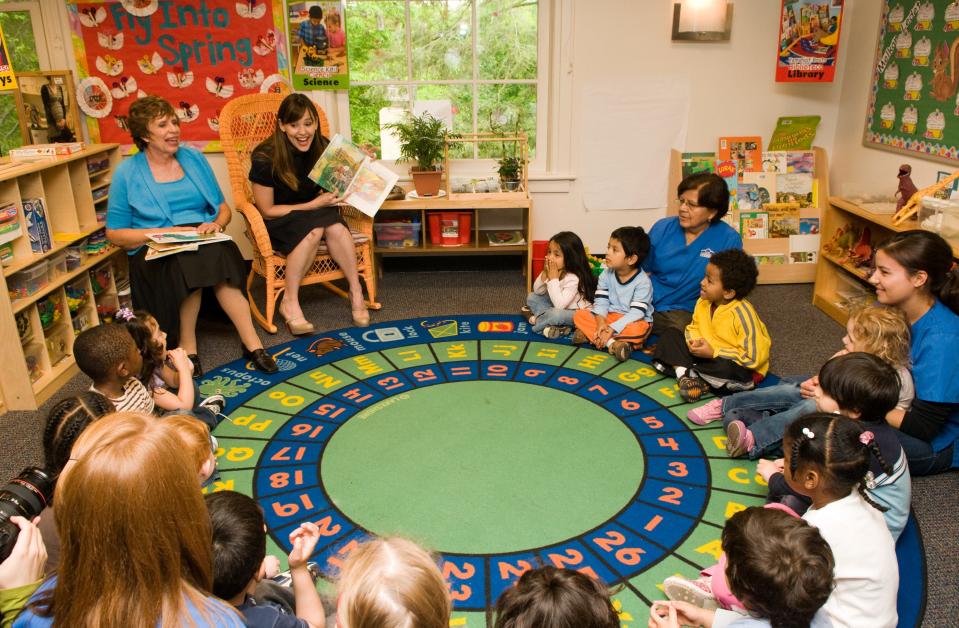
(216,403)
(663,369)
(696,592)
(579,337)
(692,388)
(556,331)
(526,313)
(707,413)
(739,440)
(620,350)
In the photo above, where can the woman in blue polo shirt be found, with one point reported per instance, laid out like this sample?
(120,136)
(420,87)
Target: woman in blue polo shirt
(682,246)
(915,272)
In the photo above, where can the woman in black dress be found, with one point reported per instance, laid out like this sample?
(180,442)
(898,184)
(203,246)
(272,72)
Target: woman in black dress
(298,213)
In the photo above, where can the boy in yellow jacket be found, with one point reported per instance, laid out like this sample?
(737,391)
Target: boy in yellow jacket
(726,347)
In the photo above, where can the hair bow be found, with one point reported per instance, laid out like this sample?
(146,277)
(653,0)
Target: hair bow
(124,314)
(866,437)
(808,433)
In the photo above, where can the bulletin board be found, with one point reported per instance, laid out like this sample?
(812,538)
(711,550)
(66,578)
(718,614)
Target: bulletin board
(198,54)
(914,105)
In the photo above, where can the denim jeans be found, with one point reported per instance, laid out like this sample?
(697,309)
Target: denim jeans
(922,459)
(546,314)
(767,412)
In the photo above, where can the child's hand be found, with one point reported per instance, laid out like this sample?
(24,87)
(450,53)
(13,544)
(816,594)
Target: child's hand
(809,389)
(676,613)
(662,614)
(603,333)
(271,566)
(369,149)
(700,348)
(180,360)
(768,468)
(552,272)
(304,540)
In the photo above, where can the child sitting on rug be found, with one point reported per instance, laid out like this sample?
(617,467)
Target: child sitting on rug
(766,412)
(555,598)
(622,312)
(565,285)
(777,567)
(108,355)
(198,443)
(726,347)
(239,552)
(862,387)
(164,371)
(392,582)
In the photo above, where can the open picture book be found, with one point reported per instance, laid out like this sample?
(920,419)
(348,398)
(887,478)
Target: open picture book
(344,168)
(163,243)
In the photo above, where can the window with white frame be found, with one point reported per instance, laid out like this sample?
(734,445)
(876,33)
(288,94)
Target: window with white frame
(473,62)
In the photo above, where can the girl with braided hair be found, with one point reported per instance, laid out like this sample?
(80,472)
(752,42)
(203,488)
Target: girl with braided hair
(863,387)
(65,422)
(827,460)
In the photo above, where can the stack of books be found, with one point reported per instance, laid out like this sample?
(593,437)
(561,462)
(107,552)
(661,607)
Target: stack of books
(37,152)
(10,228)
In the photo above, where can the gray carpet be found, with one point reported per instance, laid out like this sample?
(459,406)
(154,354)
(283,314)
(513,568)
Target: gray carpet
(803,338)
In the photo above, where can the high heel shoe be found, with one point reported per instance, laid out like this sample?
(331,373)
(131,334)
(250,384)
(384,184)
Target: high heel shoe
(261,360)
(361,318)
(300,326)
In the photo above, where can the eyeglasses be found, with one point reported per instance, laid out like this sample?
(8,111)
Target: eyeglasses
(688,203)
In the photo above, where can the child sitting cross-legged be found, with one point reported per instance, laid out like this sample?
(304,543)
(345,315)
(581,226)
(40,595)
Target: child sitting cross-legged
(239,550)
(726,347)
(777,566)
(548,597)
(622,312)
(565,285)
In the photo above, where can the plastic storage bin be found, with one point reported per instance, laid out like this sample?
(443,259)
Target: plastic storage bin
(398,234)
(58,265)
(941,216)
(33,357)
(76,255)
(539,256)
(450,228)
(29,281)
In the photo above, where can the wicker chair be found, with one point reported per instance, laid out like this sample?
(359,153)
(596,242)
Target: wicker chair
(244,123)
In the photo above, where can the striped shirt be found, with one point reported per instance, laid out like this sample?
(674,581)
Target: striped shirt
(633,299)
(135,397)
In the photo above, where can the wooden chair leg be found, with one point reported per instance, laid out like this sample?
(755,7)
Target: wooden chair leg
(266,322)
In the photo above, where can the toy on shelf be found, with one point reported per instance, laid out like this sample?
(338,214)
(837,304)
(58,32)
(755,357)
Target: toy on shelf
(851,245)
(911,208)
(100,278)
(50,310)
(23,327)
(906,187)
(77,295)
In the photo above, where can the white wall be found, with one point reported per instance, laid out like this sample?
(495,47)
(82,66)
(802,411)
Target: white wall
(852,162)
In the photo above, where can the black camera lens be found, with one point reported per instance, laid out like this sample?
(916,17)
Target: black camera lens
(26,495)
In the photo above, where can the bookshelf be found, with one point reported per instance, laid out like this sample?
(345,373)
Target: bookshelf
(770,273)
(58,284)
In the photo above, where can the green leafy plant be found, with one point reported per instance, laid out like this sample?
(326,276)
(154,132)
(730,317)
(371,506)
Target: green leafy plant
(421,139)
(509,167)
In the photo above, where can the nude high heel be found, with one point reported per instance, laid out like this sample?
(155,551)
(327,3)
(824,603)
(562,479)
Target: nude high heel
(361,318)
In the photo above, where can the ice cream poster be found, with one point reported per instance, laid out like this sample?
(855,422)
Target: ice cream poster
(808,40)
(197,54)
(914,101)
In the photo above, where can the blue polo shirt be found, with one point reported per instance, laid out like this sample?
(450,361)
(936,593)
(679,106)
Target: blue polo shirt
(935,345)
(313,35)
(676,268)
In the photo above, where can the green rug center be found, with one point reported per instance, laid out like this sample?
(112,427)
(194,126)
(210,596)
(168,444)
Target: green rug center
(482,467)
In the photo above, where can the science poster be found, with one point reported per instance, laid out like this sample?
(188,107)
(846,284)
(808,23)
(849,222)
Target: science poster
(808,41)
(318,44)
(914,107)
(195,53)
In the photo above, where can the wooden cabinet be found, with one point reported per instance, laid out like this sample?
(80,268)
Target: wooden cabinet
(51,295)
(842,282)
(495,212)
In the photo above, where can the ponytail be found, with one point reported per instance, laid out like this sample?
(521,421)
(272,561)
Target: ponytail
(921,250)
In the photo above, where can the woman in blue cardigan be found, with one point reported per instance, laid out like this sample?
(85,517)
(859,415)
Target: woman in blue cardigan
(171,187)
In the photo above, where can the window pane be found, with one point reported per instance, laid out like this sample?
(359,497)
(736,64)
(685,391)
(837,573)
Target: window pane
(507,39)
(505,108)
(442,39)
(367,103)
(461,99)
(377,40)
(22,48)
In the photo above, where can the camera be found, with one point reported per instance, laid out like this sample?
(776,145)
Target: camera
(26,495)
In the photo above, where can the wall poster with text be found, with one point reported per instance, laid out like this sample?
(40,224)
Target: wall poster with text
(913,107)
(318,44)
(7,78)
(808,41)
(197,54)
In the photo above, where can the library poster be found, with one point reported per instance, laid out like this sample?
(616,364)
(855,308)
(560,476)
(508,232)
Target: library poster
(808,41)
(318,44)
(198,54)
(913,107)
(7,79)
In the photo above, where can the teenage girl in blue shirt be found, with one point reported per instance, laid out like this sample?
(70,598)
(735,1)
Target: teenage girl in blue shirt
(682,246)
(916,273)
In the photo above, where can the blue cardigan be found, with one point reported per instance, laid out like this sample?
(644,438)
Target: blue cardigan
(137,202)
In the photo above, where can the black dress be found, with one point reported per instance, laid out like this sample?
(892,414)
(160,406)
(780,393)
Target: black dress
(286,232)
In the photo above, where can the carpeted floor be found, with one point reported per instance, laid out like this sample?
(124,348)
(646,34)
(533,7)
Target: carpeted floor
(803,338)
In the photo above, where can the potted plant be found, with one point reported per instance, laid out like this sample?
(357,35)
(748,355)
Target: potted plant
(421,140)
(510,167)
